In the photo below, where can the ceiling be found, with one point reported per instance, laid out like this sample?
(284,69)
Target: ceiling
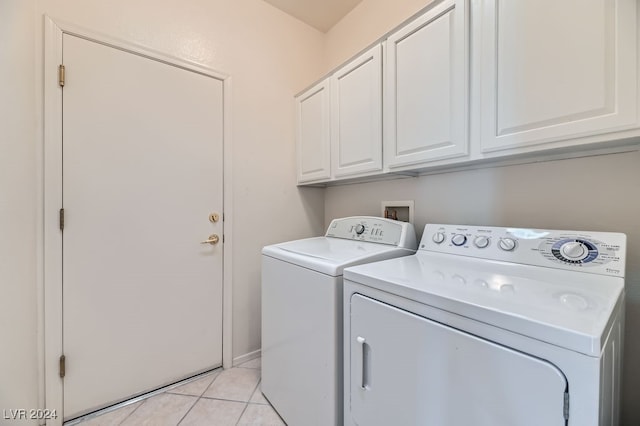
(320,14)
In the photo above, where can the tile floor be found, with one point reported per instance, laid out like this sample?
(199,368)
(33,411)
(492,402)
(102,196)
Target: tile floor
(229,397)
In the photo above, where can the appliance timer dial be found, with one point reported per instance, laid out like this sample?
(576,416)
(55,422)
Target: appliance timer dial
(574,250)
(359,229)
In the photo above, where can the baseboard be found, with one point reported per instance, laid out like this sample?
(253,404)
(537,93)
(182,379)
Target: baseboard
(246,357)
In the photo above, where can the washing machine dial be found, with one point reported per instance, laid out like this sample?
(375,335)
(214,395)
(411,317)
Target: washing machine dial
(359,229)
(438,237)
(481,241)
(507,244)
(458,239)
(574,250)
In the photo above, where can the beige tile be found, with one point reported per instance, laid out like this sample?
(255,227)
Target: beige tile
(160,410)
(196,387)
(258,398)
(260,415)
(214,412)
(254,363)
(235,384)
(112,418)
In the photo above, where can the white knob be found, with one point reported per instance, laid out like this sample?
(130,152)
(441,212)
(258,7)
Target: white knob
(574,250)
(507,244)
(359,229)
(458,239)
(481,241)
(438,237)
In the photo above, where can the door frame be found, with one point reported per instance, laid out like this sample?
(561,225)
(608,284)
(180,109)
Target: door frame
(51,279)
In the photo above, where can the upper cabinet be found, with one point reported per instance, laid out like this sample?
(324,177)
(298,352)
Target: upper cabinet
(555,70)
(356,116)
(470,81)
(312,134)
(339,122)
(426,88)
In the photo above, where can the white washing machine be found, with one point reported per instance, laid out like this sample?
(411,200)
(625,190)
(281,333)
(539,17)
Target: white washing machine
(487,326)
(302,313)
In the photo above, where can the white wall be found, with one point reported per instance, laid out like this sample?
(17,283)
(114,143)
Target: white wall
(18,296)
(269,55)
(523,195)
(366,23)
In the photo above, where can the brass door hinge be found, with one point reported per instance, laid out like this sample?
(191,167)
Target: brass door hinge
(62,219)
(63,366)
(61,76)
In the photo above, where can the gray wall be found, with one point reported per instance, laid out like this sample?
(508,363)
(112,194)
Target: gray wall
(593,193)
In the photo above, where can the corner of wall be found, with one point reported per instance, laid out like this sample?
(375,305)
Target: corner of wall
(366,23)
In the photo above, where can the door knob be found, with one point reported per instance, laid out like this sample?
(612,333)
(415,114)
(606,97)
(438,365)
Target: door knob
(213,239)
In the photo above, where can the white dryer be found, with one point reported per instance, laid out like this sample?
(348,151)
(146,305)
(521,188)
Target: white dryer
(302,313)
(487,326)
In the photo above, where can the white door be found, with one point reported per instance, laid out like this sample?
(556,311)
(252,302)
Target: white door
(553,70)
(408,370)
(426,88)
(356,115)
(142,171)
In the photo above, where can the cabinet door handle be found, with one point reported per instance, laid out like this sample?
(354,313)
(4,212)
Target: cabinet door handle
(366,354)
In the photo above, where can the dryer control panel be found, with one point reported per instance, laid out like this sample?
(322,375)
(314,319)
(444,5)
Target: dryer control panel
(596,252)
(374,230)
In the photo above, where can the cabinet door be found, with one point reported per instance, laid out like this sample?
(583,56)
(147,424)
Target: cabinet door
(312,134)
(356,115)
(426,87)
(554,70)
(408,370)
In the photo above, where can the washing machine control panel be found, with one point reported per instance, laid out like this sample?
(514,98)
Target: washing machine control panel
(597,252)
(374,230)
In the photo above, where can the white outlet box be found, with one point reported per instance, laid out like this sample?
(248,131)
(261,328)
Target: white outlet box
(398,210)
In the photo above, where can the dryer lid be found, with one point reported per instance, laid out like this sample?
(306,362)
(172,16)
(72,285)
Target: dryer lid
(565,308)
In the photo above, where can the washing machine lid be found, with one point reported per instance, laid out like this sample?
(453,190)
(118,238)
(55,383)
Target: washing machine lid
(329,255)
(565,308)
